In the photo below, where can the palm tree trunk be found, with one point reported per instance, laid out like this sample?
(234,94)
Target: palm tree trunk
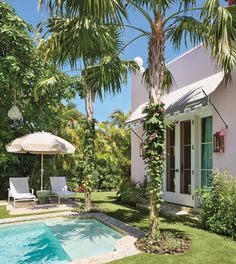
(156,72)
(89,153)
(156,62)
(89,104)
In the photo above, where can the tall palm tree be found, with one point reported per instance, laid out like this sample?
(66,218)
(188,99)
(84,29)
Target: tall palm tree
(81,31)
(173,22)
(106,76)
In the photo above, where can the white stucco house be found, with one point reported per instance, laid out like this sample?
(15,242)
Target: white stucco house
(201,108)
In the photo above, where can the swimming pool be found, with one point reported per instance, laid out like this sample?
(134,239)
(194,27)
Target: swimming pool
(55,241)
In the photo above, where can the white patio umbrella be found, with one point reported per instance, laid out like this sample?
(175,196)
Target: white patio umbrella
(40,143)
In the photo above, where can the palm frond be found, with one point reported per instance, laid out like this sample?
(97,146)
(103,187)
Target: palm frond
(108,75)
(167,81)
(186,4)
(153,4)
(73,39)
(221,24)
(106,11)
(185,29)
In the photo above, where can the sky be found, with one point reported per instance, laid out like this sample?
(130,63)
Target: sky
(28,10)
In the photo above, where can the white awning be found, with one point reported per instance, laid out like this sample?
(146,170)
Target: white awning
(186,99)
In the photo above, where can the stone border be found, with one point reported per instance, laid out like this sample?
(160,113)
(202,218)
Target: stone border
(125,246)
(114,223)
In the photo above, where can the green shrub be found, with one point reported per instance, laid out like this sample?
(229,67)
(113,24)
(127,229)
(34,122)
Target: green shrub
(133,192)
(128,192)
(218,203)
(143,194)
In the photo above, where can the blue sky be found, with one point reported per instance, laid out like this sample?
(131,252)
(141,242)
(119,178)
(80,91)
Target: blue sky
(27,9)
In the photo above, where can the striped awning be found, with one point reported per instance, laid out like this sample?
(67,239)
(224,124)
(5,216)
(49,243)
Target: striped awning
(189,98)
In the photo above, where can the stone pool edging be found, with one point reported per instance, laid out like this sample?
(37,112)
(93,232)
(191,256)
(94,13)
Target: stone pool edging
(125,246)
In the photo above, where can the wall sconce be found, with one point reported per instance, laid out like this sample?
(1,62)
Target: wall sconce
(141,150)
(219,142)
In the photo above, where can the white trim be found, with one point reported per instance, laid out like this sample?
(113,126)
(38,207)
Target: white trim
(184,54)
(177,197)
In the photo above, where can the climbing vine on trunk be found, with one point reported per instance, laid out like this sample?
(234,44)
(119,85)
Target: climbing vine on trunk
(154,127)
(88,159)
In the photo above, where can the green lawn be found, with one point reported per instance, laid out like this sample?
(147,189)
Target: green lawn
(3,212)
(207,248)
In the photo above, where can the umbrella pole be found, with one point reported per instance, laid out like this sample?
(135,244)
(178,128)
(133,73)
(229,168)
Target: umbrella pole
(41,172)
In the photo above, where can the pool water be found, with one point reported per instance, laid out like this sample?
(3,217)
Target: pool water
(55,241)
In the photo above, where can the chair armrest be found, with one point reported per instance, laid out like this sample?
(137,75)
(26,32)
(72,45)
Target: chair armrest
(32,190)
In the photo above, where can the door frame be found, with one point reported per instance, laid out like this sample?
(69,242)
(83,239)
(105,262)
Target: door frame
(178,197)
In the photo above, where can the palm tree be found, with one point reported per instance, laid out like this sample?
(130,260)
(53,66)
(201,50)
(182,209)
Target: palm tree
(174,22)
(79,31)
(118,118)
(107,76)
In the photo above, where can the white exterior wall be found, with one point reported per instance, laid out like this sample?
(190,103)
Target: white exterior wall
(139,95)
(137,163)
(192,66)
(188,68)
(225,101)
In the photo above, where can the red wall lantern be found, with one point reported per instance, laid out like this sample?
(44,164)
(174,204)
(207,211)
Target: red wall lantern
(219,142)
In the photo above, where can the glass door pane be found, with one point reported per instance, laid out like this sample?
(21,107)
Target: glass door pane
(206,150)
(185,157)
(170,159)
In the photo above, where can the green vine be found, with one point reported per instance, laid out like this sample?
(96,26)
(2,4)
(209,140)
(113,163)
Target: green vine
(154,149)
(88,159)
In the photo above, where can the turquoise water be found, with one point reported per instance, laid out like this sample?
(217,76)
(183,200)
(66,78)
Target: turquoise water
(55,241)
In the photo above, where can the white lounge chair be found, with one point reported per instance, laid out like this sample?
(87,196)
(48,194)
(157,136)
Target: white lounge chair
(59,188)
(19,190)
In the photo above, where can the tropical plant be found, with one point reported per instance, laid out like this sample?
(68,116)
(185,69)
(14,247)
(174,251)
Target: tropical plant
(112,147)
(171,23)
(218,203)
(118,118)
(98,79)
(103,71)
(21,69)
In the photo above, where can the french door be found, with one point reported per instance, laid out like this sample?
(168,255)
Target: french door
(179,158)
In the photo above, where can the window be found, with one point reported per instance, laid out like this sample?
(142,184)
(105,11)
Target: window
(170,164)
(206,150)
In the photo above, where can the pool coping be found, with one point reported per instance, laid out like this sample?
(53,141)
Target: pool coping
(125,246)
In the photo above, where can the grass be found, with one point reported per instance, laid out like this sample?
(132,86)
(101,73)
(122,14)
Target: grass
(207,248)
(3,212)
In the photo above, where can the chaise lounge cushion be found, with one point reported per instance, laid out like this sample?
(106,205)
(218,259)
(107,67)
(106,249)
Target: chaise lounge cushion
(24,196)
